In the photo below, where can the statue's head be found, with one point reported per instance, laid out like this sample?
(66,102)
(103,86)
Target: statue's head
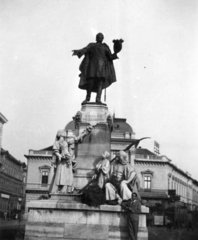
(99,37)
(123,157)
(61,133)
(106,155)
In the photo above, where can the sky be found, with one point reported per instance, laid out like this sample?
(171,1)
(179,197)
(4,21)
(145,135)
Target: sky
(156,88)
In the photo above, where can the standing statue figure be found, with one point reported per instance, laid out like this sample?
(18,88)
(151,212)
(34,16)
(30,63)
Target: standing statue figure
(63,156)
(97,70)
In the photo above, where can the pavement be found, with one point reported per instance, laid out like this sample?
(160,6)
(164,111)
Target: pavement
(154,233)
(11,223)
(161,233)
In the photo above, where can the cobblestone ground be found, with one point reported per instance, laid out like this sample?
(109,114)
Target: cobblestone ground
(161,233)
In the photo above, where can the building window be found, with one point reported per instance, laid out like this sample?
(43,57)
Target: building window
(147,177)
(44,174)
(44,177)
(147,182)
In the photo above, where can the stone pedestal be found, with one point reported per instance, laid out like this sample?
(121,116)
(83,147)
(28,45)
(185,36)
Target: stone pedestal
(89,152)
(56,219)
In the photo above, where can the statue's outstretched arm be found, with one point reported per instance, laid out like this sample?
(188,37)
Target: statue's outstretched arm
(78,53)
(83,134)
(82,51)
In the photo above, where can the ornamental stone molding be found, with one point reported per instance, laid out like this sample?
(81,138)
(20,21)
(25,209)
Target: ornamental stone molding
(148,172)
(44,167)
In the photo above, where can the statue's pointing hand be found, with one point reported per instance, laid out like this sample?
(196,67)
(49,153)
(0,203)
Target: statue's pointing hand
(89,128)
(74,52)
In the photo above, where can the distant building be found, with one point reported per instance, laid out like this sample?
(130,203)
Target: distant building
(11,183)
(165,188)
(11,179)
(151,145)
(39,173)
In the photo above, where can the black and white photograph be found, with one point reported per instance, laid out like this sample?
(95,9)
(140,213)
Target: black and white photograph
(98,119)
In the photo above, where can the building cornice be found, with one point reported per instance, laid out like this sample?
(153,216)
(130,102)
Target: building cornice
(147,172)
(38,157)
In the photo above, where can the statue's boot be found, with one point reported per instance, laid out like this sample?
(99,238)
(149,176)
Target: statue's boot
(99,93)
(89,89)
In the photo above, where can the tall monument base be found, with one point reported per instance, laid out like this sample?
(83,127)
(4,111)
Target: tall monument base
(56,219)
(89,152)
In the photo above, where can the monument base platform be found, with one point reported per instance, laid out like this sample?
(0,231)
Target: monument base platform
(56,219)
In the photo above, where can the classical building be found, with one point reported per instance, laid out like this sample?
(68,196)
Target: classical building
(39,173)
(165,188)
(12,186)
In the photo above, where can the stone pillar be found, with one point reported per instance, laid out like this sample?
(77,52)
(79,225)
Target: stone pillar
(88,153)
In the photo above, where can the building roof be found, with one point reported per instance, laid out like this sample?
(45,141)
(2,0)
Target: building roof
(121,126)
(144,151)
(50,148)
(5,152)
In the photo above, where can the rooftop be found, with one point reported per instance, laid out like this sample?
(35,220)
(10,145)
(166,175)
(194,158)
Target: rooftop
(5,152)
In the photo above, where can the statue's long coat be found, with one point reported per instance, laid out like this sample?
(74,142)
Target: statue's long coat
(97,63)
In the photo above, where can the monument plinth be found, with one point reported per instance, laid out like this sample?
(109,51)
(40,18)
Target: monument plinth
(88,153)
(51,219)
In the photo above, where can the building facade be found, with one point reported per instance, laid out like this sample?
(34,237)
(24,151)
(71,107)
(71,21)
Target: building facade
(11,183)
(12,191)
(39,173)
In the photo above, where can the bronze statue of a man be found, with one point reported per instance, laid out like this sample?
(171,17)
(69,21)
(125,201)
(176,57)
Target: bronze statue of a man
(97,70)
